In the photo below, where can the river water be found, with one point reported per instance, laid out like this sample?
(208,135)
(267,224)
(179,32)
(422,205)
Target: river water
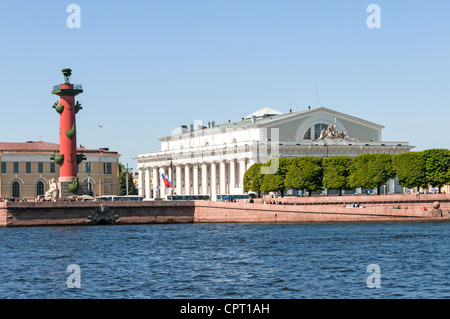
(292,261)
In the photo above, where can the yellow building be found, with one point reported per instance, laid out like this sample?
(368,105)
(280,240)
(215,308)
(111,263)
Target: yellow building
(26,169)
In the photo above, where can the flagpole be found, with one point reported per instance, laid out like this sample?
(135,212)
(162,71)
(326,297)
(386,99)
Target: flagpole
(171,182)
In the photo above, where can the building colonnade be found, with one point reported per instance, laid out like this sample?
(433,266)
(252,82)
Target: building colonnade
(221,177)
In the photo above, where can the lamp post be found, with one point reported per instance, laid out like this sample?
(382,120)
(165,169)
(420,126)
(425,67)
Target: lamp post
(171,176)
(128,173)
(88,167)
(126,184)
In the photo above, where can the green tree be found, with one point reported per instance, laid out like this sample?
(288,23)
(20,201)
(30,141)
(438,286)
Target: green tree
(371,171)
(410,168)
(305,173)
(253,178)
(336,172)
(437,163)
(132,190)
(273,175)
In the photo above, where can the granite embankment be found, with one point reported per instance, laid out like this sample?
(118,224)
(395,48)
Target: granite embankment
(433,207)
(94,212)
(328,209)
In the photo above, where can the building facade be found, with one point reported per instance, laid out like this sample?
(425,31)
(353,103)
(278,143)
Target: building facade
(212,159)
(26,169)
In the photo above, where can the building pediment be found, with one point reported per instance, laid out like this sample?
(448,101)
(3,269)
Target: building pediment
(308,125)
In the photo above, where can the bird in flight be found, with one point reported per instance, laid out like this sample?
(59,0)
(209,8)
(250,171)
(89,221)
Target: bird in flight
(100,126)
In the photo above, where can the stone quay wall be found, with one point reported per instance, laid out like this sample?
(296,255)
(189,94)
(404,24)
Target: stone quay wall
(78,212)
(306,210)
(327,209)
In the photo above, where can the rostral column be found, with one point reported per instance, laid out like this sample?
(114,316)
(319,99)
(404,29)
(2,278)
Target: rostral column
(67,109)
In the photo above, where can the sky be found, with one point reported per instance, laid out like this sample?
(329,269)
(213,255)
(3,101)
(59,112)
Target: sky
(148,67)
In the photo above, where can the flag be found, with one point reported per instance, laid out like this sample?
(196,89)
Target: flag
(166,180)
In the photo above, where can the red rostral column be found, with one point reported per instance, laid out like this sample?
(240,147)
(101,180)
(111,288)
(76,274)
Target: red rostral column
(67,108)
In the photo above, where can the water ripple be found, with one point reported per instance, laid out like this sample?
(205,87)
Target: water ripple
(227,261)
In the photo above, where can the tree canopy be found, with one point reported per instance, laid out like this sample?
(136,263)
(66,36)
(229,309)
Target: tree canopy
(410,168)
(336,172)
(304,173)
(274,182)
(437,163)
(253,178)
(132,190)
(371,171)
(413,169)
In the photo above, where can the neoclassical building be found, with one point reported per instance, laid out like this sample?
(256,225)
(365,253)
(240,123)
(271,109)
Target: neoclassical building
(211,159)
(26,169)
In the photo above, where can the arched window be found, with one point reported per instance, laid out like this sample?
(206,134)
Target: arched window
(307,135)
(40,188)
(318,129)
(15,189)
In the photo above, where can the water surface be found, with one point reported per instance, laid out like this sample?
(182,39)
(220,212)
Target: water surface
(227,261)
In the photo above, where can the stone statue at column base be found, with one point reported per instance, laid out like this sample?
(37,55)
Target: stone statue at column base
(53,191)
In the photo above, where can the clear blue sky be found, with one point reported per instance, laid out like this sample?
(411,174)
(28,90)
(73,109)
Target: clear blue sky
(149,66)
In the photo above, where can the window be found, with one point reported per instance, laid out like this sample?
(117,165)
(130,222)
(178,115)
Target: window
(15,189)
(318,129)
(40,167)
(16,167)
(52,168)
(40,188)
(3,167)
(108,168)
(28,167)
(307,135)
(88,167)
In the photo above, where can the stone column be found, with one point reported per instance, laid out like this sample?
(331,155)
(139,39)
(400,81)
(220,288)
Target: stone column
(213,181)
(232,175)
(140,183)
(155,181)
(170,177)
(195,180)
(162,187)
(222,178)
(187,180)
(179,179)
(241,172)
(204,179)
(147,189)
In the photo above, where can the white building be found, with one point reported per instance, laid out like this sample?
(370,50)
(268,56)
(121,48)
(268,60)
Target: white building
(212,159)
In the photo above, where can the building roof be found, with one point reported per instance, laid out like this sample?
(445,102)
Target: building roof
(264,117)
(41,146)
(265,111)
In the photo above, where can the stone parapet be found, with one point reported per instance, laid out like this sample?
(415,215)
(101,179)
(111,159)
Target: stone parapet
(313,209)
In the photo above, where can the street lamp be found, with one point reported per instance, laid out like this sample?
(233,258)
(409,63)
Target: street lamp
(171,176)
(88,167)
(128,172)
